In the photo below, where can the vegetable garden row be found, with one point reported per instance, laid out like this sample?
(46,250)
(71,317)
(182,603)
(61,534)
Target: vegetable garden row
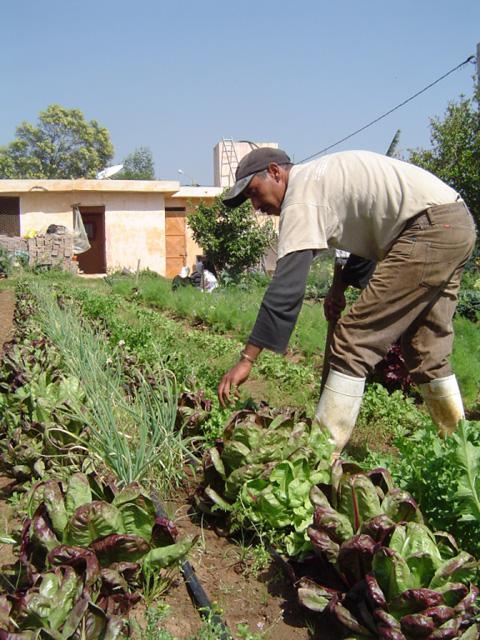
(106,403)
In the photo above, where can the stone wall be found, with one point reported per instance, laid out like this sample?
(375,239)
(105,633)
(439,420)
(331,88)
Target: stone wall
(49,250)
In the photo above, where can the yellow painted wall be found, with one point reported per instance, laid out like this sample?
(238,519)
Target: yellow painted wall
(135,230)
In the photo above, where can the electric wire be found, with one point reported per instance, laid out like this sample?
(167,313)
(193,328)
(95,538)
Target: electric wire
(471,58)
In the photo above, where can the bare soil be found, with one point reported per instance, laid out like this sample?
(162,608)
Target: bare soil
(7,307)
(264,600)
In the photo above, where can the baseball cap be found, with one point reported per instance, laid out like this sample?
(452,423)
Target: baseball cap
(254,162)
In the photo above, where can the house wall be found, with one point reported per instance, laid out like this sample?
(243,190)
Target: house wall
(134,222)
(134,214)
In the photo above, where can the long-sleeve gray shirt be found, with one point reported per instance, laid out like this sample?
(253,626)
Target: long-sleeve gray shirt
(283,299)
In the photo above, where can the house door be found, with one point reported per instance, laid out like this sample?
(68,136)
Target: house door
(93,260)
(175,244)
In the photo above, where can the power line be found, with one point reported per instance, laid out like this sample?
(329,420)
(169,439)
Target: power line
(387,113)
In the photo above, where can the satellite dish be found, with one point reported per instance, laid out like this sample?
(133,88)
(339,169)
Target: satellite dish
(108,172)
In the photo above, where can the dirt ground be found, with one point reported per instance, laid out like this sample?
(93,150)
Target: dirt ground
(264,600)
(7,307)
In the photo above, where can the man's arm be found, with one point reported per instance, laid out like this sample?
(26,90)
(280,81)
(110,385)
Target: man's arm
(356,272)
(276,318)
(282,302)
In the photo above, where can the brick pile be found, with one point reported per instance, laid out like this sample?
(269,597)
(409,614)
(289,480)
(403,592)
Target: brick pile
(49,250)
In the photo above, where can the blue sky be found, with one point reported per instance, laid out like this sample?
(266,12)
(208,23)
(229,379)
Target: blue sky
(179,76)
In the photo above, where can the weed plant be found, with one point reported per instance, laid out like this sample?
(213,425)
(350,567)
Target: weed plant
(6,265)
(232,309)
(156,617)
(440,473)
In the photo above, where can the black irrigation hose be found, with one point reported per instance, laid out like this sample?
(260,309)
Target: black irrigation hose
(196,591)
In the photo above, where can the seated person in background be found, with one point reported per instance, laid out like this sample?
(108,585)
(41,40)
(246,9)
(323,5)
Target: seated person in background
(209,278)
(196,276)
(182,279)
(204,275)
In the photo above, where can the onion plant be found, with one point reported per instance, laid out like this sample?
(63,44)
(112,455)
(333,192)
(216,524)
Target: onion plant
(134,434)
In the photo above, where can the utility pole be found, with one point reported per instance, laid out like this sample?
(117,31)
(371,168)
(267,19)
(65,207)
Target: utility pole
(478,63)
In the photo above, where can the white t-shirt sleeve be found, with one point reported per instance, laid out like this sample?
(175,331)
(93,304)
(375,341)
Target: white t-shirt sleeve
(303,226)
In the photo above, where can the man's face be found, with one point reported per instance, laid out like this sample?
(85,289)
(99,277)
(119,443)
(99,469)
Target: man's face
(266,191)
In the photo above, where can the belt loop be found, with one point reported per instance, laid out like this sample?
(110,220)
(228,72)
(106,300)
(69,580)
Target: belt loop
(429,214)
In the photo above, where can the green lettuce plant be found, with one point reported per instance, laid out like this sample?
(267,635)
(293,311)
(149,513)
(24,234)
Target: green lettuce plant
(261,472)
(443,475)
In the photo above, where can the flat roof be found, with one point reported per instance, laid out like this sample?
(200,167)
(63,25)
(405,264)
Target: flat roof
(143,186)
(197,192)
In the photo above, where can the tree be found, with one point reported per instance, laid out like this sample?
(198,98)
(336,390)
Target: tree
(62,145)
(455,153)
(232,239)
(138,165)
(392,150)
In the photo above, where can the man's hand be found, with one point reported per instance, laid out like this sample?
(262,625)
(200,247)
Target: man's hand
(233,379)
(334,303)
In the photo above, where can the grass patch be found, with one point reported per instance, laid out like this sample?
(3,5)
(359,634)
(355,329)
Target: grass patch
(465,359)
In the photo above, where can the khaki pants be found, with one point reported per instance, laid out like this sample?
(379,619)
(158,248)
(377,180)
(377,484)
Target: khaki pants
(413,295)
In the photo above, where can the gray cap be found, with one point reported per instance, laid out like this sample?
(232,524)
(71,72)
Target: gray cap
(254,162)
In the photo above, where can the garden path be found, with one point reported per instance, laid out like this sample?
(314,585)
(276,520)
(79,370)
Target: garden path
(7,307)
(265,601)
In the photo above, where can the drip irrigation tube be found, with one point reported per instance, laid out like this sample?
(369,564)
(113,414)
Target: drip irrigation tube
(196,591)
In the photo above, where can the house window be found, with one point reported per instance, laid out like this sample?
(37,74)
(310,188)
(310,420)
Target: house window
(9,216)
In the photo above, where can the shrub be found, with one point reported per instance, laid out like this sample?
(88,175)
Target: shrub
(232,239)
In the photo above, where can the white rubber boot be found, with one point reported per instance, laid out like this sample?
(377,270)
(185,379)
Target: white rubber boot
(444,403)
(339,405)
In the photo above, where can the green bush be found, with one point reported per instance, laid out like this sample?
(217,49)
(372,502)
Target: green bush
(232,239)
(5,262)
(469,304)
